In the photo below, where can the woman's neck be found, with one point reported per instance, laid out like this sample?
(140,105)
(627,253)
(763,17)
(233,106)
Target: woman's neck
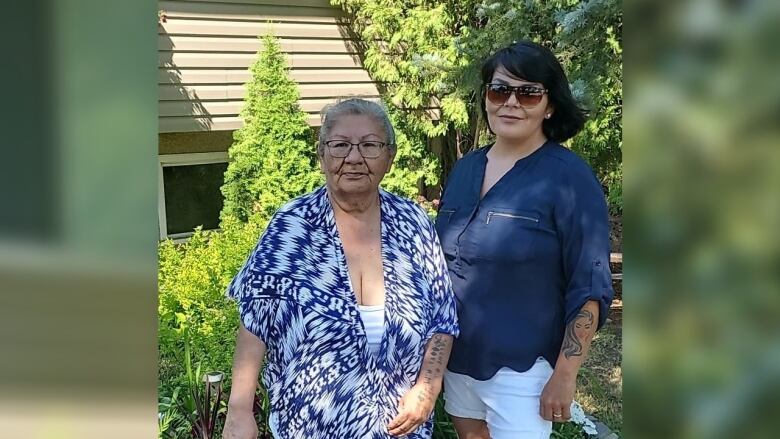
(516,149)
(356,205)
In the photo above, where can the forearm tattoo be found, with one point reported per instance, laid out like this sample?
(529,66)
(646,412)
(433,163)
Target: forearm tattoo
(433,364)
(577,332)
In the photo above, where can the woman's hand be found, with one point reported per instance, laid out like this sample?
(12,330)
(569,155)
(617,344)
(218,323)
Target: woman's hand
(414,408)
(416,405)
(240,424)
(558,393)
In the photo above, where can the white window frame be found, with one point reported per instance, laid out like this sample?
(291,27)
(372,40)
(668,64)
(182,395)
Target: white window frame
(170,160)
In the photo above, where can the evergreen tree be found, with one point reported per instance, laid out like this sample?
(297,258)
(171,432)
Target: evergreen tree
(272,158)
(429,53)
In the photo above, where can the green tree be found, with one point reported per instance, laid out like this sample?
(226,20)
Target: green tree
(272,158)
(414,166)
(586,38)
(427,54)
(407,46)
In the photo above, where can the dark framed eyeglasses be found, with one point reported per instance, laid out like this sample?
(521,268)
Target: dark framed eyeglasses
(369,149)
(526,95)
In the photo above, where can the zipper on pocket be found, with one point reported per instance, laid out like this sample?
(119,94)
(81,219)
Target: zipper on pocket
(509,215)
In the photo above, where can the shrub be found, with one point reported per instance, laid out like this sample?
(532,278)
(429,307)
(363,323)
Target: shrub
(272,158)
(192,280)
(414,164)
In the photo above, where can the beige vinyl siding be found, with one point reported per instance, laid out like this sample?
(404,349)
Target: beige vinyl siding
(232,92)
(243,60)
(249,45)
(240,76)
(206,47)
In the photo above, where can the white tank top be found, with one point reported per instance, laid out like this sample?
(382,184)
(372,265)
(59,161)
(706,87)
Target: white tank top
(374,320)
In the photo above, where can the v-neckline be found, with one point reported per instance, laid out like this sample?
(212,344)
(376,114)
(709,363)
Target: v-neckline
(381,357)
(483,171)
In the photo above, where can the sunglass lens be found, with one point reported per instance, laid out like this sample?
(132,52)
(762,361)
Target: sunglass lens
(526,99)
(498,94)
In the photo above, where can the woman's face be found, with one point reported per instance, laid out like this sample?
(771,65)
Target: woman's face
(511,120)
(354,174)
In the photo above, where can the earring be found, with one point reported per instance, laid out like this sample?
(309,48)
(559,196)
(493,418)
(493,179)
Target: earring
(547,116)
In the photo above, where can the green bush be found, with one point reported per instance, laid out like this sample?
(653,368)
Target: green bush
(429,54)
(192,280)
(272,158)
(414,164)
(586,38)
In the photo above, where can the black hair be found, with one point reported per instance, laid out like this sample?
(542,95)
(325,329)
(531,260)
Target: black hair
(532,62)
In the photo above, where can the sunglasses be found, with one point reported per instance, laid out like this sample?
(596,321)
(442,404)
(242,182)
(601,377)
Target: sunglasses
(526,95)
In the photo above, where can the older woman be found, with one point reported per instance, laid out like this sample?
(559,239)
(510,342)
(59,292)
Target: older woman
(347,298)
(525,232)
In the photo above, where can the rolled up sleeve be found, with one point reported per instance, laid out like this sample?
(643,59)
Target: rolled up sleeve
(582,221)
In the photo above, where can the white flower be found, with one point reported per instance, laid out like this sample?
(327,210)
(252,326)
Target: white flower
(578,417)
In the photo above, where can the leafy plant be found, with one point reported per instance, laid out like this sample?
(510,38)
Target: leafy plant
(442,426)
(428,54)
(415,166)
(586,37)
(170,421)
(272,158)
(262,410)
(203,403)
(193,277)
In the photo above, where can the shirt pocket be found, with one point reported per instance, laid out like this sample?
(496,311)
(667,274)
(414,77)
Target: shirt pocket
(447,230)
(507,235)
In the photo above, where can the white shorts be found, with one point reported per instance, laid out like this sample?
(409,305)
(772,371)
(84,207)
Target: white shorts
(508,402)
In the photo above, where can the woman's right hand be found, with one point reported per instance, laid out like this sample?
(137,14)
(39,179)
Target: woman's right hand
(240,425)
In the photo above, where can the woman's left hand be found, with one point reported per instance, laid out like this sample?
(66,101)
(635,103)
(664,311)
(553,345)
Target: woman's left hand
(414,408)
(558,393)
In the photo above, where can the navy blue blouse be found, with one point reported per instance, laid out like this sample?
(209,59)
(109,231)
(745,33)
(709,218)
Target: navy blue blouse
(524,259)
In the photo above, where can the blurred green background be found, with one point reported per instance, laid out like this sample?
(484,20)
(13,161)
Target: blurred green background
(701,219)
(78,228)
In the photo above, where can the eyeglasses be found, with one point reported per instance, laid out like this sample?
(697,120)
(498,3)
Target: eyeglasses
(341,148)
(526,95)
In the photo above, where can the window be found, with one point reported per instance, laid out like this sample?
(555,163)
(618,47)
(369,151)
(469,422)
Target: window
(190,193)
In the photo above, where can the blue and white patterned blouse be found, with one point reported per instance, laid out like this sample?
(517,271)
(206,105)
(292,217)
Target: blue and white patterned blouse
(294,294)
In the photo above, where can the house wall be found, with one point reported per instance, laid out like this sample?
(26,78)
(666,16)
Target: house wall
(206,47)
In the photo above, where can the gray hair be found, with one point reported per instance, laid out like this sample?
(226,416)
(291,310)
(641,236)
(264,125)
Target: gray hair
(357,107)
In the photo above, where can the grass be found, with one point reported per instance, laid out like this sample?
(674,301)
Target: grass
(600,381)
